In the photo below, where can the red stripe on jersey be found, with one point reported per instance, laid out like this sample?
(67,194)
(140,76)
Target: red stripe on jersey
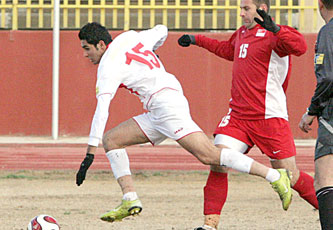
(129,89)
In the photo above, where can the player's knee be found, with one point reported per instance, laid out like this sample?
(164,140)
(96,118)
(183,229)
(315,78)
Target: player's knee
(211,157)
(109,142)
(106,143)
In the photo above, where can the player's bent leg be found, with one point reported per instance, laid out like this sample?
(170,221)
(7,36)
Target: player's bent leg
(300,181)
(125,134)
(202,148)
(199,145)
(114,141)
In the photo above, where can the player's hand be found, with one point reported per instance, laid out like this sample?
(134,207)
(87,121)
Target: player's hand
(81,174)
(306,122)
(267,22)
(186,40)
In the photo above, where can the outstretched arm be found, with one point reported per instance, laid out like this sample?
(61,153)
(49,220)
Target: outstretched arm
(156,36)
(99,121)
(224,49)
(96,132)
(186,40)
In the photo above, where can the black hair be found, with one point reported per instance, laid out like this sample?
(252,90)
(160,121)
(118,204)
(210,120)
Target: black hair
(95,32)
(328,4)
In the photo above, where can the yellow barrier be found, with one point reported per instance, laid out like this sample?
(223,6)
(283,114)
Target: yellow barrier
(139,14)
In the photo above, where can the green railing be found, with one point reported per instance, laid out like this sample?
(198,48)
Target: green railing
(140,14)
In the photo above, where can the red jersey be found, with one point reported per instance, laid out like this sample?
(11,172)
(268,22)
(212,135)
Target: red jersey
(261,69)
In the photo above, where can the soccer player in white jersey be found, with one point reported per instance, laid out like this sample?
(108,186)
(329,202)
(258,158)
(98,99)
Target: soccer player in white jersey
(129,61)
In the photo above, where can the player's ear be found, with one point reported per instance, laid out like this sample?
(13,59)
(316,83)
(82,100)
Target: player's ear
(101,45)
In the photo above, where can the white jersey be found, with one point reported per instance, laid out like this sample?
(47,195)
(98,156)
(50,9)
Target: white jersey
(130,62)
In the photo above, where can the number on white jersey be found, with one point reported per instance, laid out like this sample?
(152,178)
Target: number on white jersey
(145,57)
(243,50)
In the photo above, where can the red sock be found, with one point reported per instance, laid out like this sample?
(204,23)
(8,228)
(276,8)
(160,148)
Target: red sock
(304,187)
(215,192)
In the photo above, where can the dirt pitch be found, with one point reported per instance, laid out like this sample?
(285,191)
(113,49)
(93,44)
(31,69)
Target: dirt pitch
(172,200)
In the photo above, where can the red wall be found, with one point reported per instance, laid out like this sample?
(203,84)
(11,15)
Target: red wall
(26,84)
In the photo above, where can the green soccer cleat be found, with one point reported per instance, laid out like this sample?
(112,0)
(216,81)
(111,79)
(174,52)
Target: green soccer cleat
(125,209)
(283,188)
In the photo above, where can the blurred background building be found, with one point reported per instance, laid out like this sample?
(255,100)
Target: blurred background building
(140,14)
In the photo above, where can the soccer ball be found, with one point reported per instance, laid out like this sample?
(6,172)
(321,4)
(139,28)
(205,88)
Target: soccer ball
(43,222)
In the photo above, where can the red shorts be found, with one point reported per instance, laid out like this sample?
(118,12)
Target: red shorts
(272,136)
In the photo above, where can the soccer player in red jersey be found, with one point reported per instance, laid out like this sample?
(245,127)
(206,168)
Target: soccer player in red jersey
(261,53)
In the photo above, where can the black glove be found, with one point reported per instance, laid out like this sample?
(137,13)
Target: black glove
(81,174)
(267,22)
(186,40)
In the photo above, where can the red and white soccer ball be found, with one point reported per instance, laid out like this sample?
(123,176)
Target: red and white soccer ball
(43,222)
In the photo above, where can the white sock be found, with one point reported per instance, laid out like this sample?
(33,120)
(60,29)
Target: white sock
(130,196)
(235,160)
(119,162)
(272,175)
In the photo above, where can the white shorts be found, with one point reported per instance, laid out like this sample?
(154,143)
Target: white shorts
(168,117)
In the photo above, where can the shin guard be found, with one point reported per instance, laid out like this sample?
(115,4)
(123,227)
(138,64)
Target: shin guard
(119,162)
